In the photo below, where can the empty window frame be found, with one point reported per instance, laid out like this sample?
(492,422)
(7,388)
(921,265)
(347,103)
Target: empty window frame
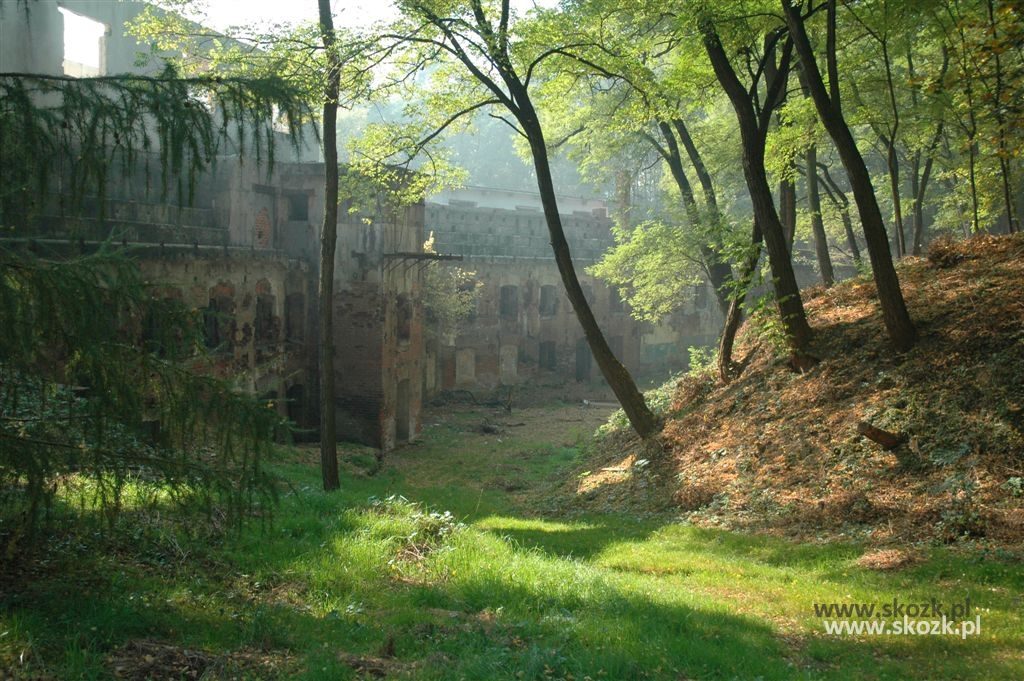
(548,301)
(508,306)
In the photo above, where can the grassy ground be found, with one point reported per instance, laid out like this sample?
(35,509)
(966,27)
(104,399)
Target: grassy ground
(365,584)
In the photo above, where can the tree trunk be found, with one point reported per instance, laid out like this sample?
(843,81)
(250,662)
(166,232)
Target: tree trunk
(517,101)
(619,380)
(828,277)
(893,164)
(917,214)
(328,242)
(1003,150)
(727,369)
(718,272)
(894,310)
(892,160)
(703,176)
(851,238)
(919,180)
(752,134)
(787,211)
(922,189)
(838,197)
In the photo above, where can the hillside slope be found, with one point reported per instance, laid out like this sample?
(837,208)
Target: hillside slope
(780,452)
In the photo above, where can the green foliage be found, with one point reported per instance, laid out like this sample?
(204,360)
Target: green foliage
(101,379)
(336,577)
(1015,486)
(85,129)
(798,130)
(450,295)
(659,399)
(702,360)
(82,399)
(765,324)
(653,267)
(962,517)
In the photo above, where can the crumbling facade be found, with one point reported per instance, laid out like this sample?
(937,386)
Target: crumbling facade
(524,327)
(244,250)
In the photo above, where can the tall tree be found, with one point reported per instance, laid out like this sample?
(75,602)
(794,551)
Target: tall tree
(328,245)
(828,276)
(718,272)
(920,174)
(827,101)
(838,198)
(881,30)
(485,48)
(754,113)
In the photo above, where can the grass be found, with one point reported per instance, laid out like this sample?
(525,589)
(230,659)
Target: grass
(364,582)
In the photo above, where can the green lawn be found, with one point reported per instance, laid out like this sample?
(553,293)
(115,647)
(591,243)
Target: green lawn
(344,585)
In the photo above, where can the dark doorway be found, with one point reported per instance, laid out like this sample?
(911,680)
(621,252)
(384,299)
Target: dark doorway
(296,401)
(403,318)
(583,360)
(402,425)
(548,359)
(219,323)
(509,304)
(548,301)
(294,317)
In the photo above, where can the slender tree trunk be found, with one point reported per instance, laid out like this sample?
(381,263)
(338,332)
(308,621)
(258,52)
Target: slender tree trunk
(838,197)
(787,211)
(752,134)
(718,272)
(1002,151)
(972,176)
(917,214)
(703,176)
(851,238)
(893,163)
(727,369)
(828,276)
(892,160)
(919,180)
(894,310)
(619,380)
(516,99)
(328,242)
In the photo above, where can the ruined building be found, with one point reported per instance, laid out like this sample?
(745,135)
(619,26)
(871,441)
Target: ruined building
(244,251)
(524,328)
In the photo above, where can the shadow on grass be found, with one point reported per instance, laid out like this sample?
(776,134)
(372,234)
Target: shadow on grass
(513,597)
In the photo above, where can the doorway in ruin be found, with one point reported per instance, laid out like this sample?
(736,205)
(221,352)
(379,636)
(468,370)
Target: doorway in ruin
(402,414)
(296,400)
(583,360)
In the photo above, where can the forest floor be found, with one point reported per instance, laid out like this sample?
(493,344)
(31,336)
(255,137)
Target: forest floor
(523,545)
(779,452)
(483,568)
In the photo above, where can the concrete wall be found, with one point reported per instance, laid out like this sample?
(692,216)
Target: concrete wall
(31,37)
